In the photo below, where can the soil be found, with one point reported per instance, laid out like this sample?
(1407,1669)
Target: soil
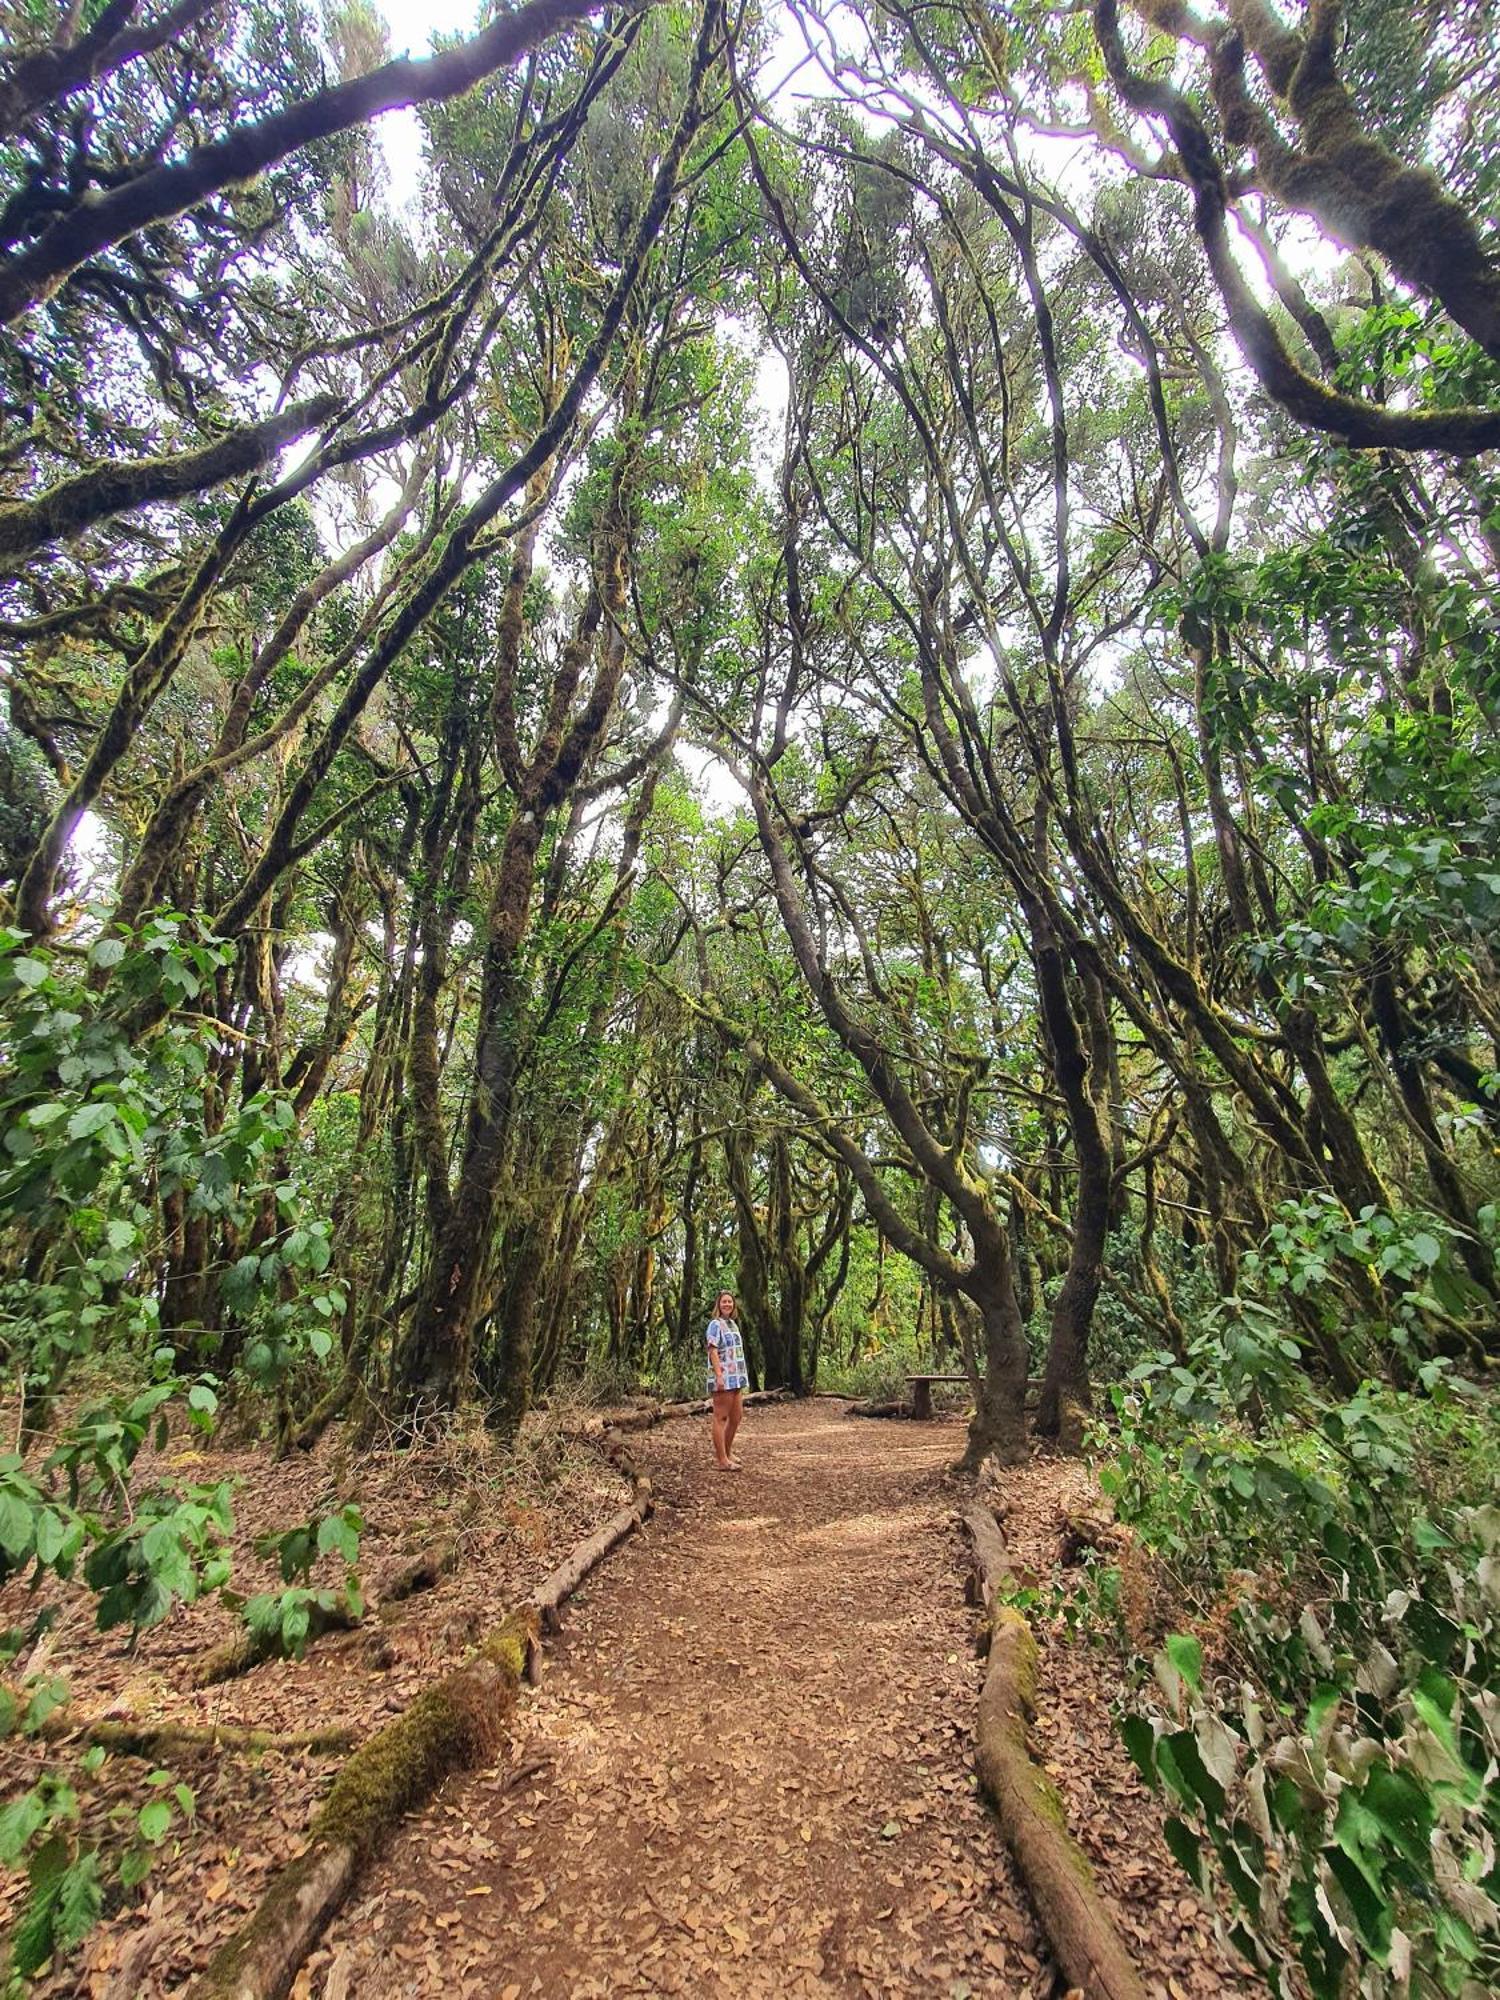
(748,1770)
(516,1516)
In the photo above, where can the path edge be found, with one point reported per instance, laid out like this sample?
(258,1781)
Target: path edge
(457,1723)
(1054,1869)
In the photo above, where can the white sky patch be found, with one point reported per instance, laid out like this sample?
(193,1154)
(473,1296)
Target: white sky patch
(720,794)
(413,23)
(93,860)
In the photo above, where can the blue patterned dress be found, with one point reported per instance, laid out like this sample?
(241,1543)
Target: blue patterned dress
(725,1335)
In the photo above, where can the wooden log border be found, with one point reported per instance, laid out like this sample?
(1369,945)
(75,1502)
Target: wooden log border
(1055,1870)
(459,1723)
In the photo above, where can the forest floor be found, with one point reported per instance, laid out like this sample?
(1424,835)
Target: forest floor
(515,1517)
(748,1770)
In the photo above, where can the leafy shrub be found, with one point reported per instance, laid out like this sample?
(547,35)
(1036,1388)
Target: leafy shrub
(141,1554)
(878,1376)
(67,1876)
(281,1621)
(93,1113)
(1326,1732)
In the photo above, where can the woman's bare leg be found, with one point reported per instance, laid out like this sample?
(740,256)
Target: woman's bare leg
(736,1401)
(722,1400)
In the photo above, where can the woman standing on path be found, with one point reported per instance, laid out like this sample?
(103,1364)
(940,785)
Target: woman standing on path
(727,1380)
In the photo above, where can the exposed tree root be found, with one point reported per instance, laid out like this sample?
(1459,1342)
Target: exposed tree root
(158,1739)
(418,1573)
(423,1571)
(1057,1875)
(990,1569)
(1082,1530)
(239,1654)
(306,1434)
(551,1594)
(751,1399)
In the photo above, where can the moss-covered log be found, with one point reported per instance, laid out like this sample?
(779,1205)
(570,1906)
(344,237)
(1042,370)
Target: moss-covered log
(1055,1870)
(456,1725)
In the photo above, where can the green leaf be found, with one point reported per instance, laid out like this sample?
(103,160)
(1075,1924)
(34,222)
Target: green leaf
(46,1700)
(155,1817)
(1186,1850)
(51,1536)
(1372,1910)
(1186,1656)
(1140,1741)
(80,1899)
(335,1533)
(89,1119)
(16,1527)
(1181,1764)
(1403,1810)
(135,1865)
(18,1822)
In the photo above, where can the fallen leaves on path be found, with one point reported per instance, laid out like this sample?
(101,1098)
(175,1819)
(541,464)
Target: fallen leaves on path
(748,1770)
(758,1740)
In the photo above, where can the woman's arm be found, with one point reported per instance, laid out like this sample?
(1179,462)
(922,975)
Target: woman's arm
(715,1357)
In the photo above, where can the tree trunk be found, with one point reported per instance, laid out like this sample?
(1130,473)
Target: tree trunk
(998,1425)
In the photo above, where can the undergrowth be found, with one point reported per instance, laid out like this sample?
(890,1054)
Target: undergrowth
(1308,1590)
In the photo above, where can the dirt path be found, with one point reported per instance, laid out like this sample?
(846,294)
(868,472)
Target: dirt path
(753,1759)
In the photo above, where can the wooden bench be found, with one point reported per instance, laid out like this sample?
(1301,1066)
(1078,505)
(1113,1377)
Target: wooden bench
(921,1393)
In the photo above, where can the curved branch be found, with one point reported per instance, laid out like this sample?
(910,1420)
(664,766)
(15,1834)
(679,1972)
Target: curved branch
(99,221)
(51,74)
(1366,426)
(114,488)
